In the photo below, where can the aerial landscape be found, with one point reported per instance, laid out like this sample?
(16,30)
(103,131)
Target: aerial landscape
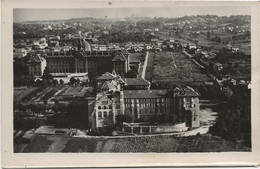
(125,81)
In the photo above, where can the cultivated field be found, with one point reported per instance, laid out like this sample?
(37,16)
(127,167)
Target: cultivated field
(176,68)
(20,94)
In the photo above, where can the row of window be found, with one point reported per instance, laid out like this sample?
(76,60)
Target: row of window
(105,107)
(67,70)
(147,100)
(105,114)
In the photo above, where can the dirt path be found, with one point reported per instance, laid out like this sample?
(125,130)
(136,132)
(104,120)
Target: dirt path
(145,65)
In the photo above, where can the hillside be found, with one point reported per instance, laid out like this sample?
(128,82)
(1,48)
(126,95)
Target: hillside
(202,143)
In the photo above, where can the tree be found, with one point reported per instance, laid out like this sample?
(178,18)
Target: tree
(46,74)
(55,82)
(61,81)
(72,80)
(131,74)
(78,81)
(208,35)
(129,118)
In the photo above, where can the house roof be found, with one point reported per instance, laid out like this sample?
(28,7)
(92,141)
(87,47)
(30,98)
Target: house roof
(136,81)
(185,91)
(107,76)
(36,59)
(131,94)
(119,57)
(107,86)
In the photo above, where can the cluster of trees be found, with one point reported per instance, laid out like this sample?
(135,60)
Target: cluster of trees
(234,117)
(73,115)
(76,115)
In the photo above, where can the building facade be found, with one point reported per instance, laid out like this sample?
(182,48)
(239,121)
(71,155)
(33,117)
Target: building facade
(36,65)
(178,106)
(81,59)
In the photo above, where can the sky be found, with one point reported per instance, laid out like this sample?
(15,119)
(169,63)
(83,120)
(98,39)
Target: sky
(26,14)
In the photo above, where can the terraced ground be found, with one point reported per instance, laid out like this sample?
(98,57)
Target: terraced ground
(202,143)
(19,94)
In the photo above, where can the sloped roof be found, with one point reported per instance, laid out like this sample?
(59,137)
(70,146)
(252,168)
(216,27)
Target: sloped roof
(36,59)
(187,91)
(183,92)
(107,76)
(136,94)
(107,86)
(119,57)
(136,81)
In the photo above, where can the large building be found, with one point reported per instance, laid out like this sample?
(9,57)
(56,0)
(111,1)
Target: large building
(178,106)
(81,59)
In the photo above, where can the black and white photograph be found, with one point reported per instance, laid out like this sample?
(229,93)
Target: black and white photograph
(167,79)
(156,80)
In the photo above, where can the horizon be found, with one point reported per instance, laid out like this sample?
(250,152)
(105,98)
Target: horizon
(39,14)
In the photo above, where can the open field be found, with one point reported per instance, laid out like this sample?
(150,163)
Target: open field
(202,143)
(176,68)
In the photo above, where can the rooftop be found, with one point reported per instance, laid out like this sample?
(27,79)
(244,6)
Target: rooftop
(36,59)
(136,81)
(131,94)
(119,57)
(107,86)
(107,76)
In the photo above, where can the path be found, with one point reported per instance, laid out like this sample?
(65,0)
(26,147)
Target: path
(145,65)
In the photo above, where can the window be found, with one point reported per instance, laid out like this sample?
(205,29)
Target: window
(105,107)
(110,114)
(99,114)
(99,107)
(105,114)
(110,107)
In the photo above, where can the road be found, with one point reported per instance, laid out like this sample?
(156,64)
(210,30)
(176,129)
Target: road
(145,65)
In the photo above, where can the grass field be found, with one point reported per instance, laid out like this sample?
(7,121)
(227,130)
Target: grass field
(202,143)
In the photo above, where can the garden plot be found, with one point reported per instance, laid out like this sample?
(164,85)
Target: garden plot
(176,68)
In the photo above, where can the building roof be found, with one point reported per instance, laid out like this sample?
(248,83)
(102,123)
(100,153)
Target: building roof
(138,81)
(136,94)
(107,86)
(185,92)
(36,59)
(107,76)
(119,57)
